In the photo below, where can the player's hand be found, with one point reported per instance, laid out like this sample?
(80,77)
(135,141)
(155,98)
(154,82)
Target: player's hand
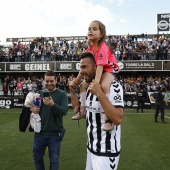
(73,85)
(95,88)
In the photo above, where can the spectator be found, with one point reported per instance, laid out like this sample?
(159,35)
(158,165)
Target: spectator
(25,89)
(19,87)
(19,55)
(61,83)
(159,104)
(141,97)
(12,88)
(138,49)
(39,85)
(5,89)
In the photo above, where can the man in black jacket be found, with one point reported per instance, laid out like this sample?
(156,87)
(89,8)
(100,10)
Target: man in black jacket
(12,88)
(141,97)
(159,104)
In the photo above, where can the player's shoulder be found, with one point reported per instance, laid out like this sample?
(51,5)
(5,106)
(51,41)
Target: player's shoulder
(116,83)
(116,86)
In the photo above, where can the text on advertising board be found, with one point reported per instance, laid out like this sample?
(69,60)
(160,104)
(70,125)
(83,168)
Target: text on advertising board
(32,67)
(66,66)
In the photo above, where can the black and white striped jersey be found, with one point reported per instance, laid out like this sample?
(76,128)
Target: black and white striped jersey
(101,142)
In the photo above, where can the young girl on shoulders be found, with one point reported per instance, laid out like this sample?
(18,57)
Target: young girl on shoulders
(106,68)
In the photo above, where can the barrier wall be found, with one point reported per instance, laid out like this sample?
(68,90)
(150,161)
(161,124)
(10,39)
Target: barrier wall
(69,66)
(129,102)
(11,102)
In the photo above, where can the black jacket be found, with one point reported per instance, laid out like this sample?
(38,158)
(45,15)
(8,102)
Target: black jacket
(24,119)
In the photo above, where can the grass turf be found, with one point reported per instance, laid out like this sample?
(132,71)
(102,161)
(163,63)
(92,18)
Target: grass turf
(145,144)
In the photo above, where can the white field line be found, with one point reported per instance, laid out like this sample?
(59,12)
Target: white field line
(167,117)
(145,113)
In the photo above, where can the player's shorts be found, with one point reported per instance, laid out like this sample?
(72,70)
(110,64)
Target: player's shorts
(95,162)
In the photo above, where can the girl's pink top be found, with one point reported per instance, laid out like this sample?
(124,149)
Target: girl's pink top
(103,56)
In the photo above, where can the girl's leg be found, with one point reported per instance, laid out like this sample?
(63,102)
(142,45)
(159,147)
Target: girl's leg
(83,89)
(106,80)
(81,112)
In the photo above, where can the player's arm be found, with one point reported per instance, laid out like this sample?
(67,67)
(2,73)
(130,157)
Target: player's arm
(78,78)
(74,98)
(113,113)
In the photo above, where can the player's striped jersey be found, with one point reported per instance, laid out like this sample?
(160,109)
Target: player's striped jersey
(101,142)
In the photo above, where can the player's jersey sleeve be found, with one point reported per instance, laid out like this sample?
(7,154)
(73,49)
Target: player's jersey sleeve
(116,94)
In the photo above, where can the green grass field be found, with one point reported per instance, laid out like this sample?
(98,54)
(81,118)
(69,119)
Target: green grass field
(145,144)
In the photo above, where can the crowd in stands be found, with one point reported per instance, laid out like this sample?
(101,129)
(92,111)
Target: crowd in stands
(127,47)
(41,49)
(22,85)
(132,83)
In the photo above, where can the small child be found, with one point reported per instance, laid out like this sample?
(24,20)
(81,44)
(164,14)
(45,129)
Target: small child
(31,100)
(106,68)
